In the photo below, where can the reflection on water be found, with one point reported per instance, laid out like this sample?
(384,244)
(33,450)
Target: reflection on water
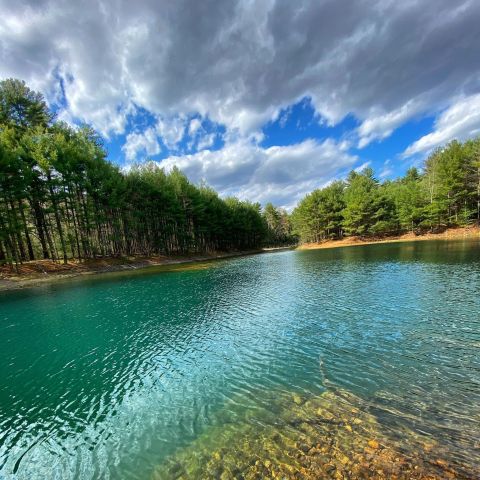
(359,361)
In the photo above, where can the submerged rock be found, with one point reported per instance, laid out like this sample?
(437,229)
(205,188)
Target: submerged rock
(297,399)
(373,444)
(329,436)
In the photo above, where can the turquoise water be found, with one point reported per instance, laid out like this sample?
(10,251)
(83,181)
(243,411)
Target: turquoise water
(111,377)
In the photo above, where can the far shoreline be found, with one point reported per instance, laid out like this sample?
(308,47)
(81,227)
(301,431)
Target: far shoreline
(461,233)
(42,272)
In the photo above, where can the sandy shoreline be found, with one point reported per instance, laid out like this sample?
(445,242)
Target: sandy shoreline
(449,234)
(43,271)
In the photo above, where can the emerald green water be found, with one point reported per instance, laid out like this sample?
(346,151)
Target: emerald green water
(112,377)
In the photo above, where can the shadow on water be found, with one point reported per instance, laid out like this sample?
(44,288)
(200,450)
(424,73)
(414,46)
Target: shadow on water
(129,273)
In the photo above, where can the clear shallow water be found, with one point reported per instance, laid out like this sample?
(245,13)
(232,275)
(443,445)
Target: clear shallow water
(114,378)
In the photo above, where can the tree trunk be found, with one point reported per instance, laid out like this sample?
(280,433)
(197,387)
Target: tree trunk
(57,218)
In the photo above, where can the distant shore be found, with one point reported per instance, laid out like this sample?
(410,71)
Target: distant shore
(39,272)
(448,234)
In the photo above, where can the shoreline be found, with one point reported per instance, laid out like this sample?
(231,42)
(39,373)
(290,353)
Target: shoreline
(40,272)
(462,233)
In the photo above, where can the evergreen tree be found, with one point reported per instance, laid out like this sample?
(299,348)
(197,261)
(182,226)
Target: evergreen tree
(61,199)
(445,193)
(368,210)
(278,226)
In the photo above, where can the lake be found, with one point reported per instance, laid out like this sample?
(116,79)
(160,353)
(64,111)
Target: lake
(354,361)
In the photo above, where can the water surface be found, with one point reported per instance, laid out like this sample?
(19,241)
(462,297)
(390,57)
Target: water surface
(125,377)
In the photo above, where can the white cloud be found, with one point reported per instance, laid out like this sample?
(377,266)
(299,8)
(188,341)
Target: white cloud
(141,143)
(199,138)
(206,141)
(380,126)
(281,174)
(460,121)
(361,167)
(386,170)
(236,63)
(172,131)
(195,124)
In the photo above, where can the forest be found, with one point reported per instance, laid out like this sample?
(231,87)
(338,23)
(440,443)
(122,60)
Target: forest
(445,193)
(61,199)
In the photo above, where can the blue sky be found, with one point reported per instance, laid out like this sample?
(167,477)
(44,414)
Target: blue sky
(294,124)
(265,100)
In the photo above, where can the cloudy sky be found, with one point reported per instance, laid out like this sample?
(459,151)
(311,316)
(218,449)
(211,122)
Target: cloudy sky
(265,100)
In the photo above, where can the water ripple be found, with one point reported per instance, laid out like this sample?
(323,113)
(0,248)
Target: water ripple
(109,379)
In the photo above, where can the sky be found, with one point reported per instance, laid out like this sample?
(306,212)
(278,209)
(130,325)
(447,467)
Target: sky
(264,100)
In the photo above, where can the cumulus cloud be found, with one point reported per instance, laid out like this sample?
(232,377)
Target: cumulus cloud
(380,126)
(206,141)
(141,143)
(172,130)
(278,174)
(195,124)
(199,136)
(240,62)
(460,121)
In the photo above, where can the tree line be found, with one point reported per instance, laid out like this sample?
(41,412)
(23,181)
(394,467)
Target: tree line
(61,199)
(445,193)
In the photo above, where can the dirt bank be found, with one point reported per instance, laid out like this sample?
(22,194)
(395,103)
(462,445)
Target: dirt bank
(41,271)
(449,234)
